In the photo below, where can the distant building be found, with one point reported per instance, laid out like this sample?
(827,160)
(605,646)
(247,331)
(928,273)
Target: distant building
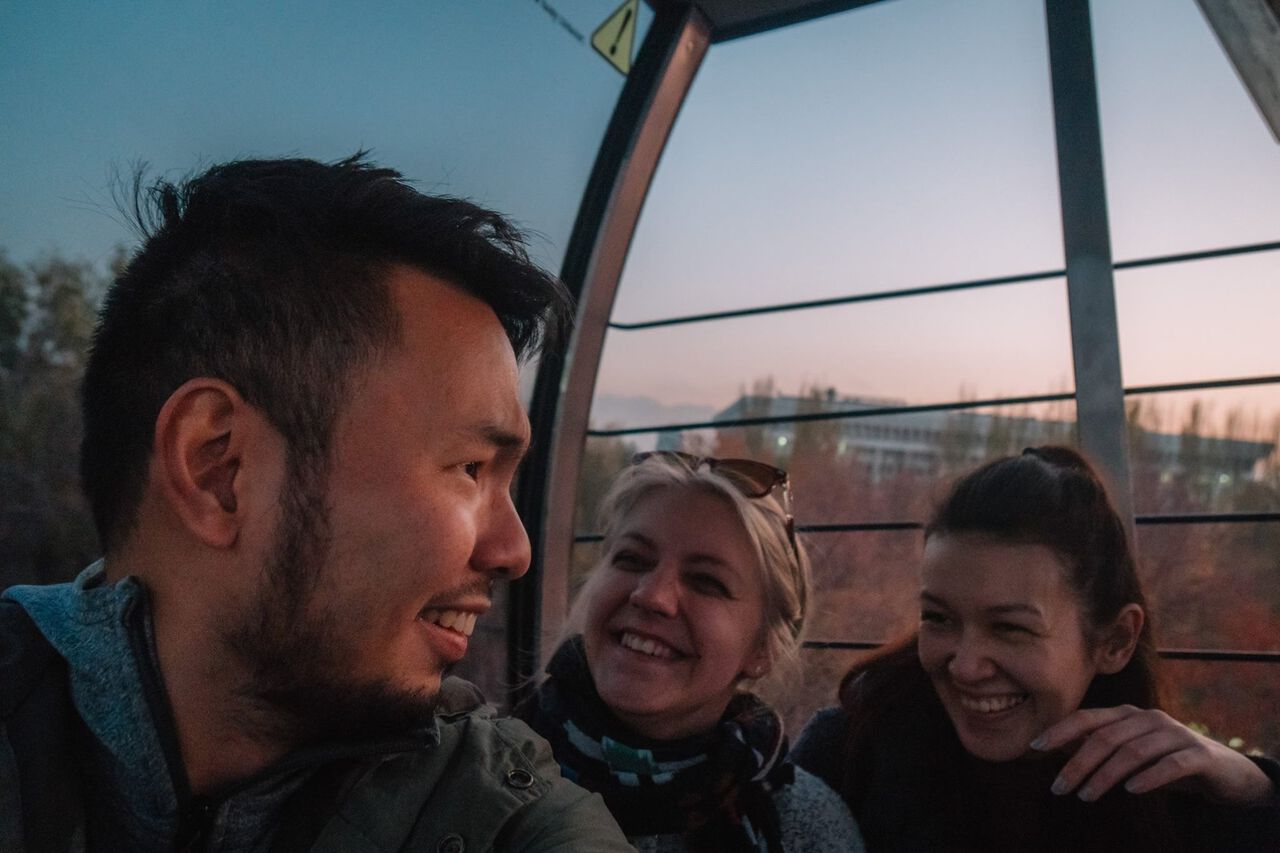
(931,442)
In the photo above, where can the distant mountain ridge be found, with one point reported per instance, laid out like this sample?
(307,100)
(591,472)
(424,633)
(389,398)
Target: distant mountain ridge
(615,410)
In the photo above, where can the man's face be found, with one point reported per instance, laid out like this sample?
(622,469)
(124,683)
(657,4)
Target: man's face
(374,589)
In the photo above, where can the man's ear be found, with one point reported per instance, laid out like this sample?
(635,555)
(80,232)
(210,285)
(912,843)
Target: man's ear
(1116,642)
(199,448)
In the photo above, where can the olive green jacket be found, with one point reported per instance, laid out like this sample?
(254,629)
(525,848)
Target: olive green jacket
(88,759)
(489,785)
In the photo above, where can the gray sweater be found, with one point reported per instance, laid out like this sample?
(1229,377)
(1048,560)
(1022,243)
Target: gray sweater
(814,820)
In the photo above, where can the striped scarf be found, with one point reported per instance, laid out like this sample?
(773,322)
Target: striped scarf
(715,788)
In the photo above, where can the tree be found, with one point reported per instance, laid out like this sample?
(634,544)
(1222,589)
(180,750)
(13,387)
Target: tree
(47,314)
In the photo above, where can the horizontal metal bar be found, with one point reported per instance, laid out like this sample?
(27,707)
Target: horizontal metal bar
(1171,518)
(1225,656)
(1214,655)
(829,416)
(859,526)
(1205,255)
(1208,518)
(844,645)
(838,300)
(927,290)
(1203,385)
(954,406)
(854,527)
(883,526)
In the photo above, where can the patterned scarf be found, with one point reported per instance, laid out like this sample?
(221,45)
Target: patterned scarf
(716,788)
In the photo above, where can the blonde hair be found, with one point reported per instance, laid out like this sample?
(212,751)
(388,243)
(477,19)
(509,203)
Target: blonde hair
(784,571)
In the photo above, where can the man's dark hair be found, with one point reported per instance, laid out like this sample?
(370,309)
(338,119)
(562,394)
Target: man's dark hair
(271,275)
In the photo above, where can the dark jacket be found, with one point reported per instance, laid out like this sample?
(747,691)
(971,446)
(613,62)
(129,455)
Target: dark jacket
(913,789)
(467,782)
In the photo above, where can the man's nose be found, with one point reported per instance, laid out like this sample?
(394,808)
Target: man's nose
(502,547)
(657,591)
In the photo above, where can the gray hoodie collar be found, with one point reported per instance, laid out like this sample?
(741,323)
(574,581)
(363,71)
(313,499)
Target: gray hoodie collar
(88,621)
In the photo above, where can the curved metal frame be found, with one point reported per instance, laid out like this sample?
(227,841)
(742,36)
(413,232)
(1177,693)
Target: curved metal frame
(664,70)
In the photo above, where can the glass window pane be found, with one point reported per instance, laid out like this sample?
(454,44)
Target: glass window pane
(1213,319)
(1011,340)
(826,158)
(865,584)
(1190,163)
(1213,586)
(879,468)
(1206,451)
(1230,700)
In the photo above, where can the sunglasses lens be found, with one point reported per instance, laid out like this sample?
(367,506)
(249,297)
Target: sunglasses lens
(754,479)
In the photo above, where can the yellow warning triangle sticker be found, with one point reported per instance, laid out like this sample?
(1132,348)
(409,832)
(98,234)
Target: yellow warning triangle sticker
(615,38)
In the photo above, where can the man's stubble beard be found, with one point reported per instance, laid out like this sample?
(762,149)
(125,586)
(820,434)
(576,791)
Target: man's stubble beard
(299,688)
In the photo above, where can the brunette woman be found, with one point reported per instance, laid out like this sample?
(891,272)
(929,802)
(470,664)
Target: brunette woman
(1025,713)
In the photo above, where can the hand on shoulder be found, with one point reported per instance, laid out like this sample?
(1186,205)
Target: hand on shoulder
(1146,749)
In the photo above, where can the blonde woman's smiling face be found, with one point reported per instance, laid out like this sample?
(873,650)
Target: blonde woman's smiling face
(675,618)
(1003,639)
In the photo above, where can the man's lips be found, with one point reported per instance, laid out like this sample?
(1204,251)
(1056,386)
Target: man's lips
(449,625)
(460,621)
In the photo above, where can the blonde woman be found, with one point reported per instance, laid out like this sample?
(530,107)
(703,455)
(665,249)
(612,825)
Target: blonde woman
(701,592)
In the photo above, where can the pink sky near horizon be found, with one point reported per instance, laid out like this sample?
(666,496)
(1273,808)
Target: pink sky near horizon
(791,175)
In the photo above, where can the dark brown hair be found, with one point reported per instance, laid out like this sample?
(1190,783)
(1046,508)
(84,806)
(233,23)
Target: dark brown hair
(1052,496)
(271,275)
(1049,496)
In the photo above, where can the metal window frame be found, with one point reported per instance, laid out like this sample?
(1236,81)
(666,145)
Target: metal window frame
(672,52)
(1086,239)
(665,66)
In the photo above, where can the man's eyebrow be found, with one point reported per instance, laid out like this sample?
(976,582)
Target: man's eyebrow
(500,437)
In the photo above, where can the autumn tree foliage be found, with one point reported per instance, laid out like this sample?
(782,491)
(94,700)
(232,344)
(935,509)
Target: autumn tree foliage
(47,312)
(1210,586)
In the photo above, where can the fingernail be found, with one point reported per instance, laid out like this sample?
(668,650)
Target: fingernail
(1038,743)
(1133,787)
(1087,795)
(1059,786)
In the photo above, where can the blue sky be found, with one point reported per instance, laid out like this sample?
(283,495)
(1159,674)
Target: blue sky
(494,101)
(911,143)
(902,144)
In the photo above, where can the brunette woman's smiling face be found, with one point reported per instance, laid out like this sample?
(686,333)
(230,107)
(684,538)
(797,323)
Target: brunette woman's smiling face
(675,618)
(1003,639)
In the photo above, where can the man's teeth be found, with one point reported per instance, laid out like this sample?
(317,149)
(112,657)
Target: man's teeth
(647,646)
(461,621)
(992,704)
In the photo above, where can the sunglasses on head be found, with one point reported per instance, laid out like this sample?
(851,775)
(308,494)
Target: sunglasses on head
(751,478)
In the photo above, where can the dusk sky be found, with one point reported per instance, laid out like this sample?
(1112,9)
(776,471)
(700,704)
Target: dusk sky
(911,143)
(903,144)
